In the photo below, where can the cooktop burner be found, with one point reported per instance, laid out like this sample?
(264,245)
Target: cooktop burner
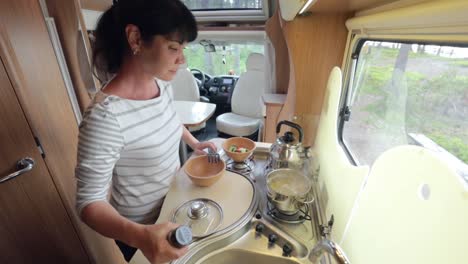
(245,167)
(301,225)
(240,166)
(300,216)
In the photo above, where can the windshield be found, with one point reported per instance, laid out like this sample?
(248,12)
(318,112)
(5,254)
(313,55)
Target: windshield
(228,59)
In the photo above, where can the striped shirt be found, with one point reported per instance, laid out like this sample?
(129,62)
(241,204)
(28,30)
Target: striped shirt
(130,148)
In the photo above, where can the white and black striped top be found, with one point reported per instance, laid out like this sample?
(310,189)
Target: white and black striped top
(131,148)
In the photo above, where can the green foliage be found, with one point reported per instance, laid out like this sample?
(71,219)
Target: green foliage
(452,144)
(425,55)
(462,63)
(414,77)
(377,77)
(428,100)
(235,56)
(194,56)
(389,52)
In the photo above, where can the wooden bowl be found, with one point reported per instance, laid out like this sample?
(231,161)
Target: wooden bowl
(240,142)
(202,172)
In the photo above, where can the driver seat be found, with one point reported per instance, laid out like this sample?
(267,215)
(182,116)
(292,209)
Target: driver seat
(247,109)
(185,88)
(184,85)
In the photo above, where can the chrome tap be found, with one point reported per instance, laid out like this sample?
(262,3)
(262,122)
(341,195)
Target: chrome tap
(331,248)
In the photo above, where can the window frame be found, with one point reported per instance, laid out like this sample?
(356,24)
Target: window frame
(413,24)
(357,43)
(217,15)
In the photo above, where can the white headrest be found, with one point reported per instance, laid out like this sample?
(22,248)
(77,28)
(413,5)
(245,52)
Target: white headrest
(256,62)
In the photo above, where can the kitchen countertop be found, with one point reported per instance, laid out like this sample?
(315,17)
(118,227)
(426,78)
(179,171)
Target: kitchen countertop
(274,99)
(233,192)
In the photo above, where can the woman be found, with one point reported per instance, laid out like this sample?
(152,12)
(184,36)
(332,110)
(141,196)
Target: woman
(129,136)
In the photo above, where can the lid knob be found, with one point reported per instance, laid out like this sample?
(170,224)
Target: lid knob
(198,210)
(203,216)
(288,137)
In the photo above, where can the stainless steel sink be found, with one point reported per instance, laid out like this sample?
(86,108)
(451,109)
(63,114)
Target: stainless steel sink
(249,244)
(235,256)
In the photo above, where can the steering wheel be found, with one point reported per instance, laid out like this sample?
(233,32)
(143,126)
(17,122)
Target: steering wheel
(201,84)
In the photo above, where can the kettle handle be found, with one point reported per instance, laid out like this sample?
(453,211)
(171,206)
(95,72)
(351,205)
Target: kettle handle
(293,125)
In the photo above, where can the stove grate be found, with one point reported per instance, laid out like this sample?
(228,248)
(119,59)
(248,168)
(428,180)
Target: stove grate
(245,168)
(299,217)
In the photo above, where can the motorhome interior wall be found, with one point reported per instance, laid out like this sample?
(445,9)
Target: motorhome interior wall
(397,195)
(340,179)
(313,43)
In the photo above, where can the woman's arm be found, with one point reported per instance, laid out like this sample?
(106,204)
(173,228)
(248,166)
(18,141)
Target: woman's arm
(150,239)
(196,145)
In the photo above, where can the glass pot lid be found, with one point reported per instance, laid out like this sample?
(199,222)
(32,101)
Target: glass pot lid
(203,216)
(288,182)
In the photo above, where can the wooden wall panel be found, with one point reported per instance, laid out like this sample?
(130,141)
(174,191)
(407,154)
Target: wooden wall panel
(77,51)
(316,44)
(67,16)
(275,33)
(284,71)
(97,5)
(33,69)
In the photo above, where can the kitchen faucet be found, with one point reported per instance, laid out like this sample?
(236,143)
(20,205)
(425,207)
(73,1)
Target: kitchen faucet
(331,248)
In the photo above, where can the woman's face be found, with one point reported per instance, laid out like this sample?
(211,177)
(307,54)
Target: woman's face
(162,57)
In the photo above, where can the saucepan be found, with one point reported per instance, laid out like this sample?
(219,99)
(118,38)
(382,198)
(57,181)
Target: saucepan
(288,190)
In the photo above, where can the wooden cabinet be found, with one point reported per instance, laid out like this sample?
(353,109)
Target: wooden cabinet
(38,222)
(34,224)
(310,46)
(75,45)
(316,44)
(273,103)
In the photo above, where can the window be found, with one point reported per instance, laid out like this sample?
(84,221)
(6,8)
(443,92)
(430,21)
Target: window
(229,58)
(228,10)
(408,93)
(204,5)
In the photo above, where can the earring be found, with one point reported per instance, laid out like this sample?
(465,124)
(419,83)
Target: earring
(135,51)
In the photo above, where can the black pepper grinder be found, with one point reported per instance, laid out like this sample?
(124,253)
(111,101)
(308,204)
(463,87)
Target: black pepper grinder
(180,237)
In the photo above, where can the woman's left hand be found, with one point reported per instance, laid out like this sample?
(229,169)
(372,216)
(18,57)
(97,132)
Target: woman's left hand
(200,146)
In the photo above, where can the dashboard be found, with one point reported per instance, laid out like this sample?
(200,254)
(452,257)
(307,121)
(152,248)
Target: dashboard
(221,84)
(218,89)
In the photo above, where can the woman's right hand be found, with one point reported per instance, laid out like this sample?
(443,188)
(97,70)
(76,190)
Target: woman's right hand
(156,247)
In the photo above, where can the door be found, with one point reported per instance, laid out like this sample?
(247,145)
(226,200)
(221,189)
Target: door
(31,64)
(34,225)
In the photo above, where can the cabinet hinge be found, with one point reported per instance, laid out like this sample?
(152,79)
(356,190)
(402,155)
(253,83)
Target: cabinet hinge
(39,147)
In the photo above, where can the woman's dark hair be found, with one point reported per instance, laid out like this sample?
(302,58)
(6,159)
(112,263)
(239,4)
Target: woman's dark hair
(170,18)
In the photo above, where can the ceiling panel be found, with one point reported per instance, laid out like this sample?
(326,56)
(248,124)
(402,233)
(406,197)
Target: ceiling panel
(98,5)
(325,6)
(321,6)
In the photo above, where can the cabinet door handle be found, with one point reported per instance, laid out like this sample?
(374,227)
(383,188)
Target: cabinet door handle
(23,165)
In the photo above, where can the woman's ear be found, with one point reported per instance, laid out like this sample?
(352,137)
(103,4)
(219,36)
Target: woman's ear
(134,38)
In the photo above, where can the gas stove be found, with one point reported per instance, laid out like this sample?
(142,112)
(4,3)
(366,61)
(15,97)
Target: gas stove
(245,168)
(300,216)
(303,225)
(263,234)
